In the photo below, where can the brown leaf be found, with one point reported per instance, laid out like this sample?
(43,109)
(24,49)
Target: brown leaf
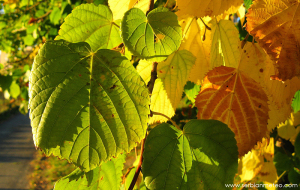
(276,26)
(230,96)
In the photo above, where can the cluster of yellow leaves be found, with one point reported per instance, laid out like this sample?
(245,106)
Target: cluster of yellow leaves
(234,75)
(257,165)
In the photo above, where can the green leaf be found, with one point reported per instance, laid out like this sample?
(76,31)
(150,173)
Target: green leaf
(17,73)
(297,145)
(282,162)
(5,82)
(92,24)
(202,156)
(24,93)
(107,176)
(247,3)
(151,37)
(23,109)
(191,90)
(294,176)
(31,28)
(55,15)
(28,40)
(86,106)
(14,89)
(296,102)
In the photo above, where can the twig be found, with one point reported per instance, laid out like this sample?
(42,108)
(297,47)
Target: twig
(139,166)
(20,60)
(151,6)
(166,3)
(33,6)
(207,27)
(153,77)
(173,122)
(244,41)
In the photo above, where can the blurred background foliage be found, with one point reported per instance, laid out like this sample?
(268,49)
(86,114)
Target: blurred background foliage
(24,26)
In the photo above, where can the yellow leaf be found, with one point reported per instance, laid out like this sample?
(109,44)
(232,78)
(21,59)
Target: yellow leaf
(275,25)
(174,73)
(260,67)
(231,96)
(268,172)
(119,7)
(197,39)
(172,76)
(160,103)
(288,130)
(250,165)
(144,68)
(201,8)
(266,148)
(225,48)
(253,164)
(241,13)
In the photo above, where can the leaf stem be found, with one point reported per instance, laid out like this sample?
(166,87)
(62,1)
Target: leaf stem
(188,28)
(280,177)
(173,122)
(115,24)
(207,27)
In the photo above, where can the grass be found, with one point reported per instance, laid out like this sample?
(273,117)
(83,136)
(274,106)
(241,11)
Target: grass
(47,170)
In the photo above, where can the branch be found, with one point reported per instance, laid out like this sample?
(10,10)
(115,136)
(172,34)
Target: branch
(139,166)
(19,60)
(31,7)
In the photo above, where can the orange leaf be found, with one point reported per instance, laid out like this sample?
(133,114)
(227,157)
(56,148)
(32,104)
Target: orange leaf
(275,25)
(230,96)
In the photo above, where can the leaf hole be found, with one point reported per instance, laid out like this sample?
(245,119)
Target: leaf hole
(113,87)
